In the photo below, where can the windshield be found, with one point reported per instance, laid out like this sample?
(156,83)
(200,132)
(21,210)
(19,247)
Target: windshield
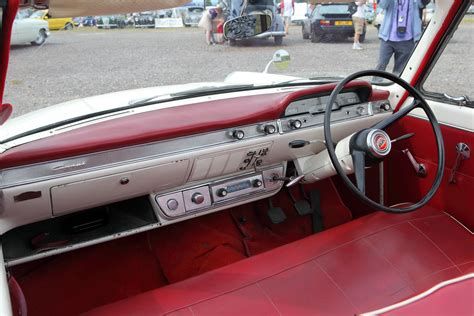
(334,9)
(85,65)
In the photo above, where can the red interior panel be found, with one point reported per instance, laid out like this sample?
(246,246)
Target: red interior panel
(405,186)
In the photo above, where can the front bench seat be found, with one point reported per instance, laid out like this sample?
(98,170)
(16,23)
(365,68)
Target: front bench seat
(363,265)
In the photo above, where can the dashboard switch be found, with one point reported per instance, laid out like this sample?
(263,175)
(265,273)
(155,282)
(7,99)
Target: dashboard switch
(295,124)
(222,192)
(385,107)
(238,134)
(197,198)
(269,129)
(257,183)
(172,204)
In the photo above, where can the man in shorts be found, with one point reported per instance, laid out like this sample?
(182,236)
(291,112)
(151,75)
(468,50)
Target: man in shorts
(287,10)
(358,19)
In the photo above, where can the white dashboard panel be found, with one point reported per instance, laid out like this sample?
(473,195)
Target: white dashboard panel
(89,193)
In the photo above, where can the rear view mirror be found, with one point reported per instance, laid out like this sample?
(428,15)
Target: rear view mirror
(247,26)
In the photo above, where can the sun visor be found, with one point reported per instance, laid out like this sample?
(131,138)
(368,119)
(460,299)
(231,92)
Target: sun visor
(76,8)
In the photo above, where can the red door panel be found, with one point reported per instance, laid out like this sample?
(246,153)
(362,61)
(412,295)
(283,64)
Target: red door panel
(403,185)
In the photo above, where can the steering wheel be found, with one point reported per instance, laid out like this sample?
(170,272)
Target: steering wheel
(373,144)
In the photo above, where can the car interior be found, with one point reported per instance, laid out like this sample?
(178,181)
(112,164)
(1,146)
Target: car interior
(338,198)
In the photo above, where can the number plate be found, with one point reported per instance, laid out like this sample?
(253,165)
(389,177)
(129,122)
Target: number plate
(343,23)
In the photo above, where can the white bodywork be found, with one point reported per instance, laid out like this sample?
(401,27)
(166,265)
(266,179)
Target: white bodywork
(26,30)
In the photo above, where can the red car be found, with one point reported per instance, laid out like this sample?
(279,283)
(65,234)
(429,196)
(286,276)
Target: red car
(260,194)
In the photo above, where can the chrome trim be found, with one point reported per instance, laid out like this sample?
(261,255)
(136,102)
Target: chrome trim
(270,33)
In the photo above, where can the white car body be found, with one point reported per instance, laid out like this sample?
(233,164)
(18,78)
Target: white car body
(26,30)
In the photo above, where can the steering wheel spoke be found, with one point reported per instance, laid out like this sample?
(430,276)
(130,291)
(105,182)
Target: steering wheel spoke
(397,116)
(358,159)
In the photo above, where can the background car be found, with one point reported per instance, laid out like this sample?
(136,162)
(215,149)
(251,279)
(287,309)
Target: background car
(89,21)
(145,20)
(330,21)
(54,23)
(191,15)
(27,30)
(111,22)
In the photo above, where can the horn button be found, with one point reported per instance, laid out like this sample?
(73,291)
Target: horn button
(378,143)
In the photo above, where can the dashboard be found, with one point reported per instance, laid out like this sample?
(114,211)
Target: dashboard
(232,155)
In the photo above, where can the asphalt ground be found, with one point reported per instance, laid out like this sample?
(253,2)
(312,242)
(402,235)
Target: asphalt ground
(87,61)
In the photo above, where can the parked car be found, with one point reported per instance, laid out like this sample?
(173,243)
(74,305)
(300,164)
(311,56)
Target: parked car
(111,22)
(191,15)
(259,195)
(89,21)
(28,30)
(276,30)
(54,23)
(144,20)
(329,21)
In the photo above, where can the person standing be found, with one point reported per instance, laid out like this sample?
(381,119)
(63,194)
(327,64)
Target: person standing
(400,30)
(358,19)
(287,10)
(206,23)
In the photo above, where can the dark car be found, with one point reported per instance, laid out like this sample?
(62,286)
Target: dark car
(330,21)
(145,20)
(111,22)
(89,21)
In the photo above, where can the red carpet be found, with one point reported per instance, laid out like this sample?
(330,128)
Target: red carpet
(75,282)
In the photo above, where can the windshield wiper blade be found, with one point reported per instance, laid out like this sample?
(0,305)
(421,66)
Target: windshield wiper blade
(200,91)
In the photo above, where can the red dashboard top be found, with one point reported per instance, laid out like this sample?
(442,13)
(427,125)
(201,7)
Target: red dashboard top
(165,124)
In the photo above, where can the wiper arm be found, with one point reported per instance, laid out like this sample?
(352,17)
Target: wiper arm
(200,91)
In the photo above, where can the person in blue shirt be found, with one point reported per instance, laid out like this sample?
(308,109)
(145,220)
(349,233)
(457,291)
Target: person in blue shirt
(400,30)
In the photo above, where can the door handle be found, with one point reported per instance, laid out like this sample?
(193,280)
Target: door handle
(462,100)
(463,153)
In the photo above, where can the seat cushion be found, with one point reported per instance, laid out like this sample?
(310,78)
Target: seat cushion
(366,264)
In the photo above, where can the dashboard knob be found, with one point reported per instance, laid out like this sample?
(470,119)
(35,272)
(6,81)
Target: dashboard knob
(295,124)
(238,134)
(257,183)
(222,192)
(360,110)
(197,198)
(172,204)
(385,107)
(269,129)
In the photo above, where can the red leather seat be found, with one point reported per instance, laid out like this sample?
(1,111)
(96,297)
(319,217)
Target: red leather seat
(363,265)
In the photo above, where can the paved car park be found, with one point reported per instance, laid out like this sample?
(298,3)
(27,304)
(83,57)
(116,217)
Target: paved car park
(87,61)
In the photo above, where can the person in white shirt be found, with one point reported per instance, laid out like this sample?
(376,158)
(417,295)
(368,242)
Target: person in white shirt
(287,10)
(358,19)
